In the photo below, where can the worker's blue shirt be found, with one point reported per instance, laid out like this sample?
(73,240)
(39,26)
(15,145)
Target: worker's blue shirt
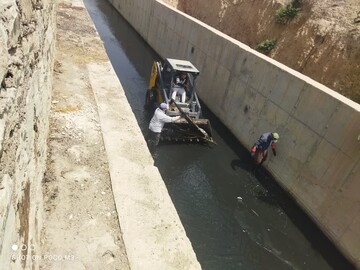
(264,141)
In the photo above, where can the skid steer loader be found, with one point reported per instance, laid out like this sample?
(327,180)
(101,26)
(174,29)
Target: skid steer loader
(191,128)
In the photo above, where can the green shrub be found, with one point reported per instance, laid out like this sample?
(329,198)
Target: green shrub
(287,13)
(266,46)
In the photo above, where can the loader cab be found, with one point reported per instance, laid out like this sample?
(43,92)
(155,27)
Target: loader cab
(171,69)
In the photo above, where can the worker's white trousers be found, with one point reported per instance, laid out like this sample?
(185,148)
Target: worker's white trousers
(181,91)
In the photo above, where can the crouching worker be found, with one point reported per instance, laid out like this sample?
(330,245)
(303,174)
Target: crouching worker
(259,151)
(156,125)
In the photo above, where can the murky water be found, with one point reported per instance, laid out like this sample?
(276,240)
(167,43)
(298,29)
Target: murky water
(234,217)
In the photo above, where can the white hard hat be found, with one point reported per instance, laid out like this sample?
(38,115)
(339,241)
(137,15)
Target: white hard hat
(275,136)
(164,106)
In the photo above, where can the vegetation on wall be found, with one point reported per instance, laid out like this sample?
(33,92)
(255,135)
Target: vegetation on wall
(266,46)
(288,12)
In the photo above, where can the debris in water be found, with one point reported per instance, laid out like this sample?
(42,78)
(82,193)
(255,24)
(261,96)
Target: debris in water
(254,212)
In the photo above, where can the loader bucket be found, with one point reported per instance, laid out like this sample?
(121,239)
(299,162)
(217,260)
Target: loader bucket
(182,131)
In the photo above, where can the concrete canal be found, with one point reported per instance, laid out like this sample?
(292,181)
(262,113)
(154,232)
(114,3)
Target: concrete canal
(235,218)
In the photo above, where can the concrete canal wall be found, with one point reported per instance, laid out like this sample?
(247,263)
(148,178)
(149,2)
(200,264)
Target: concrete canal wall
(318,152)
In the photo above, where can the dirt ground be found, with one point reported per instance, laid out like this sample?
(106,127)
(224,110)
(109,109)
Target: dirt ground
(322,42)
(81,222)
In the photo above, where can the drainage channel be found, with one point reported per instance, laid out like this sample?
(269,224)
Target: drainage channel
(234,218)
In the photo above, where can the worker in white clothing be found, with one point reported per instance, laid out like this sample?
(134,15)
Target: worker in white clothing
(179,87)
(156,125)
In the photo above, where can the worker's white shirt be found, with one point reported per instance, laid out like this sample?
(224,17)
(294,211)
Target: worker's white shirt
(159,119)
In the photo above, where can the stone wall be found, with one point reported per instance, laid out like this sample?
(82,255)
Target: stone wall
(26,62)
(318,152)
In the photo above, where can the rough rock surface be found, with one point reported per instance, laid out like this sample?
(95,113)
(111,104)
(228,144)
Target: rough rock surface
(26,61)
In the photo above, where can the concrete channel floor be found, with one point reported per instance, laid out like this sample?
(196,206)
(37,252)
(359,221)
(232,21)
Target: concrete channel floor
(106,204)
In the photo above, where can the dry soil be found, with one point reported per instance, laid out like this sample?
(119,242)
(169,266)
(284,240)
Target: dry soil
(322,42)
